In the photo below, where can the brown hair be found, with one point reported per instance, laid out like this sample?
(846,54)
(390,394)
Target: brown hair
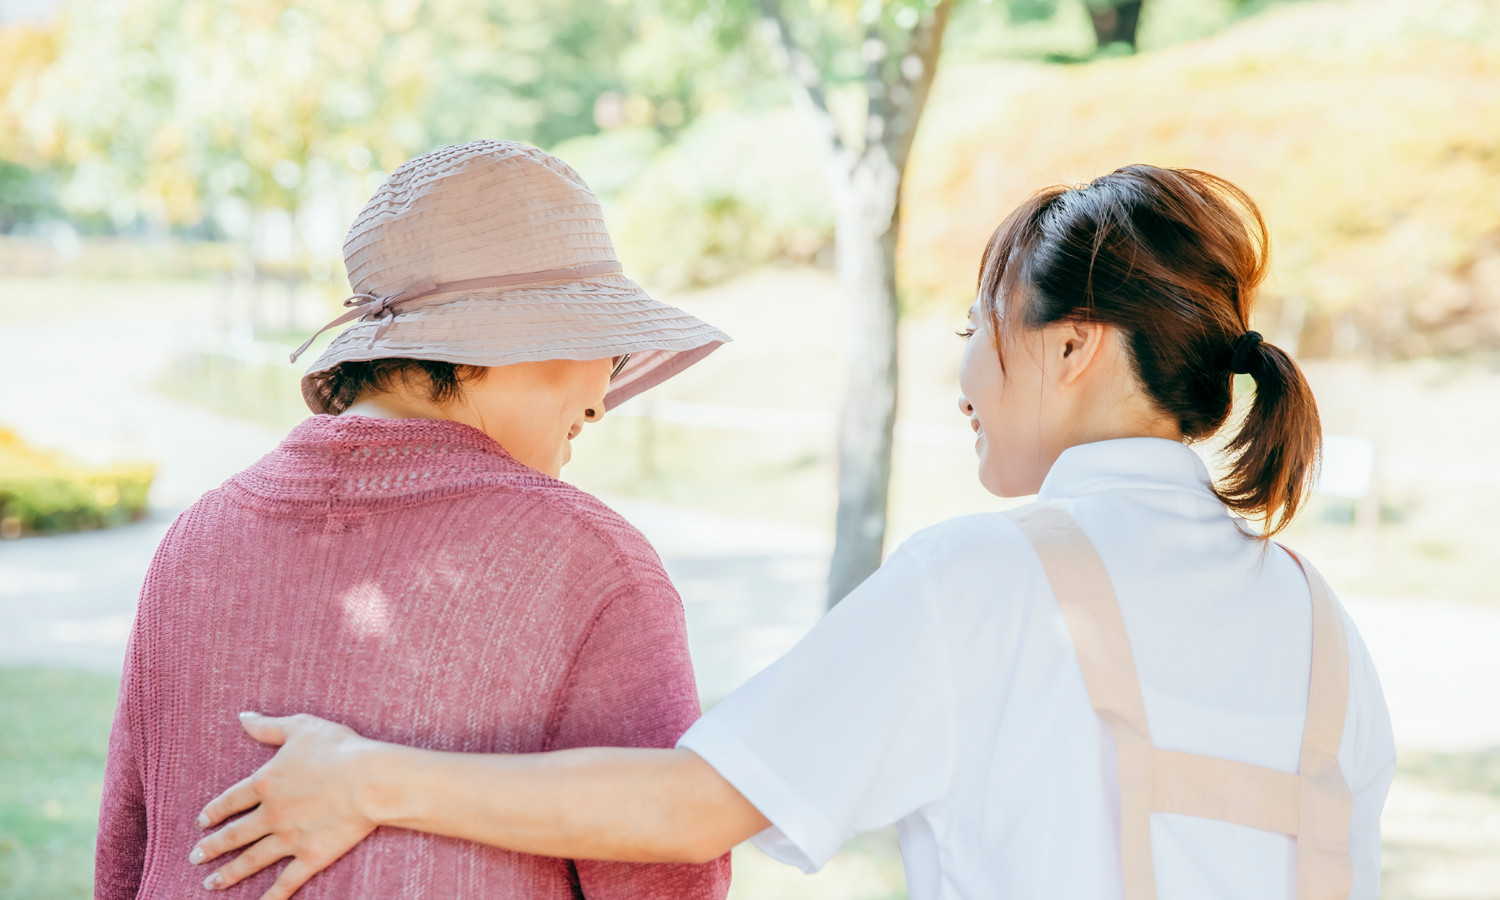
(1172,258)
(336,389)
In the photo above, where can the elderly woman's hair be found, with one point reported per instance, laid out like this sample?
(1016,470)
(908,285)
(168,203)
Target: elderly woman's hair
(339,387)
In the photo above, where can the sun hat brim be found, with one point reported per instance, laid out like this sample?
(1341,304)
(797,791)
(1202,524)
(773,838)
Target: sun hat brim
(591,318)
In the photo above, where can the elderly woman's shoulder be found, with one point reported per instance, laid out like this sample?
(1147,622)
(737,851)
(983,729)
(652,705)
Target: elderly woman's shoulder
(553,510)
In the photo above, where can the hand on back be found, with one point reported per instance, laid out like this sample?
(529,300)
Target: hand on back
(302,804)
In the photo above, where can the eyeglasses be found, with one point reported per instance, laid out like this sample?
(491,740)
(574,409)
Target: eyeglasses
(620,362)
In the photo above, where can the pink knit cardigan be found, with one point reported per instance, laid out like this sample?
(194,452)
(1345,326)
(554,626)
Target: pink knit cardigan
(409,579)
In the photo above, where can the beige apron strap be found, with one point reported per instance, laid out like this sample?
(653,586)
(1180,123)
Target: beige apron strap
(1314,804)
(1086,598)
(1324,868)
(1213,788)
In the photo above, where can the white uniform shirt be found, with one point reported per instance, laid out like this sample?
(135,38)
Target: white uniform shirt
(944,695)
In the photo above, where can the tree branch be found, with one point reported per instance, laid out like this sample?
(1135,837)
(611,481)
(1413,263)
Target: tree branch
(908,96)
(807,82)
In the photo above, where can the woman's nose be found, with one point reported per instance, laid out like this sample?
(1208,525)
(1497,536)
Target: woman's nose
(594,414)
(964,406)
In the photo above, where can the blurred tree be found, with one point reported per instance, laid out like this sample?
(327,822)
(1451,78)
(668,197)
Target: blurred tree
(1114,21)
(176,110)
(27,193)
(887,54)
(1385,228)
(884,52)
(25,50)
(26,197)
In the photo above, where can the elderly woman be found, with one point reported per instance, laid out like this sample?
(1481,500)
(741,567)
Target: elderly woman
(407,560)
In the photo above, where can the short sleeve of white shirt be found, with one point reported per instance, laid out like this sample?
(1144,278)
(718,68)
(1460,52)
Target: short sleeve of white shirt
(850,731)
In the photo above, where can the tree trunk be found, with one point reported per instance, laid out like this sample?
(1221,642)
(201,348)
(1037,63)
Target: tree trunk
(868,215)
(867,194)
(1116,24)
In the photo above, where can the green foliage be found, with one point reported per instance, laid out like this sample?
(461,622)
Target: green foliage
(1059,31)
(113,258)
(1367,132)
(736,190)
(40,492)
(1022,11)
(175,111)
(1478,772)
(176,105)
(1371,142)
(26,196)
(268,394)
(165,109)
(54,731)
(612,160)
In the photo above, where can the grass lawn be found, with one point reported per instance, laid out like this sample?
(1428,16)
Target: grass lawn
(54,728)
(1442,823)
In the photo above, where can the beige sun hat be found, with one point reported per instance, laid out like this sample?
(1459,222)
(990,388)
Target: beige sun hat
(493,253)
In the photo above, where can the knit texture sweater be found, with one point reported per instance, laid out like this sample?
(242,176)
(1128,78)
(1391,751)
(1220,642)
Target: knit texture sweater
(411,580)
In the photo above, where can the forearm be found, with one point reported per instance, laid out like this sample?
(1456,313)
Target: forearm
(626,804)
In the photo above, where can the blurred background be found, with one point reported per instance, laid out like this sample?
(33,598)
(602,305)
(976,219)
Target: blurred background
(176,177)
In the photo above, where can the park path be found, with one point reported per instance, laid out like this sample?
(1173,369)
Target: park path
(750,589)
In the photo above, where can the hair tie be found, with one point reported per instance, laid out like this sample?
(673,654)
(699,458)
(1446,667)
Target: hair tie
(1243,346)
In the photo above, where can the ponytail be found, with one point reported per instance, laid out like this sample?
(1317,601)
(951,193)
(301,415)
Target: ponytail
(1173,258)
(1274,454)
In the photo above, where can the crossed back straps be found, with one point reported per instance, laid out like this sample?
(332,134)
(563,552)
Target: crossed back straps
(1313,805)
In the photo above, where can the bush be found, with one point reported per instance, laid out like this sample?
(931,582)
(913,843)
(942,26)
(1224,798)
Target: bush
(1368,133)
(611,160)
(61,251)
(737,190)
(47,493)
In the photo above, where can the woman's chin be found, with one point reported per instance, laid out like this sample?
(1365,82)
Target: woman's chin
(990,480)
(996,489)
(1004,484)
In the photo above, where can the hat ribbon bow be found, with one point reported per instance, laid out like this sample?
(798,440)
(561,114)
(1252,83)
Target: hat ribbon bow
(380,308)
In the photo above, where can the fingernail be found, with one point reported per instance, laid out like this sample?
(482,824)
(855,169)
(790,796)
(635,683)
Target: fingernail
(196,856)
(247,715)
(202,820)
(212,881)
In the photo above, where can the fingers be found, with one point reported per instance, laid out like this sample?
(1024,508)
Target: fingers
(237,799)
(294,876)
(257,857)
(231,837)
(266,729)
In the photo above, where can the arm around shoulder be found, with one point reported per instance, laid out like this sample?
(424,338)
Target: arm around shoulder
(604,803)
(631,684)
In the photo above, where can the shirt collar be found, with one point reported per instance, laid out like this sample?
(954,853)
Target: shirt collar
(1126,463)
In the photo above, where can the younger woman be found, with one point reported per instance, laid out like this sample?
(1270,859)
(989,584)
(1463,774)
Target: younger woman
(1119,691)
